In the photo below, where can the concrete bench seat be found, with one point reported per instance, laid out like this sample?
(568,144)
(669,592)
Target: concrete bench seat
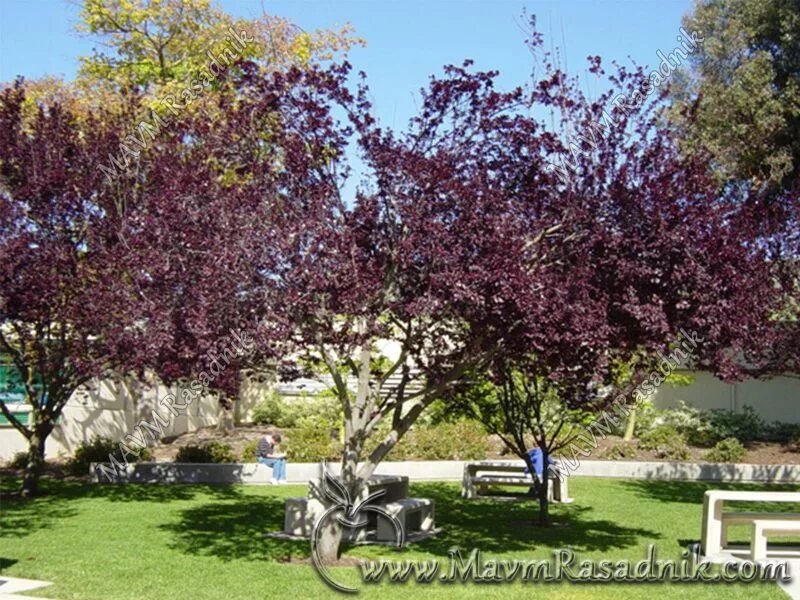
(747,518)
(301,513)
(715,520)
(414,514)
(479,475)
(504,479)
(763,528)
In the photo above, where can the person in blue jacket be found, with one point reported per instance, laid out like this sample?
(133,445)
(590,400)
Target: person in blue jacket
(537,459)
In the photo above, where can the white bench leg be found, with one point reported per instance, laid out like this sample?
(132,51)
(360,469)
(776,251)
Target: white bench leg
(385,531)
(562,490)
(712,527)
(427,521)
(758,544)
(468,484)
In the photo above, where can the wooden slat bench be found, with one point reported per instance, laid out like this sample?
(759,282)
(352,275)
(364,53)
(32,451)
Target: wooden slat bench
(506,472)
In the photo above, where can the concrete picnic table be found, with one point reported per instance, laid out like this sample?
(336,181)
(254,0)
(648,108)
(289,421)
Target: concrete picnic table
(471,480)
(713,500)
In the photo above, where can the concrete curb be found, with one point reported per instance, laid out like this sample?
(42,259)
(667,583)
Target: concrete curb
(447,470)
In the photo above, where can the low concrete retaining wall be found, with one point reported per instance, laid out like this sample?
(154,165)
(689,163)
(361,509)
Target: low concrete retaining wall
(449,470)
(680,471)
(254,473)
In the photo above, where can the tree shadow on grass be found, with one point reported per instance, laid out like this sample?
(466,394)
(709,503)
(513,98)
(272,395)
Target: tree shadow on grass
(23,517)
(492,524)
(7,562)
(692,492)
(159,493)
(235,530)
(60,499)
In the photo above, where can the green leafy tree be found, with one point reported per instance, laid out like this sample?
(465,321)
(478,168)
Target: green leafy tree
(740,96)
(739,101)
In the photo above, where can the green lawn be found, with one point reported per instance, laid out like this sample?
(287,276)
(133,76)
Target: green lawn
(197,541)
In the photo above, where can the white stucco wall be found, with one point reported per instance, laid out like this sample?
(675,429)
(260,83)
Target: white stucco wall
(114,409)
(775,399)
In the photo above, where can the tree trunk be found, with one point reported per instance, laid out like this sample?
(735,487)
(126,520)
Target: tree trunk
(630,425)
(329,540)
(35,465)
(544,505)
(224,421)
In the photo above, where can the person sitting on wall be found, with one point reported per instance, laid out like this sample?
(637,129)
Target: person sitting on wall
(266,455)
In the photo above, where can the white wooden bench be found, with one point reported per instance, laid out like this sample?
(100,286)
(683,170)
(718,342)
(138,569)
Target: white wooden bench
(714,537)
(479,475)
(414,514)
(763,528)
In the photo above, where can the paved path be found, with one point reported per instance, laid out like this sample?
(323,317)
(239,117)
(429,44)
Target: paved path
(792,589)
(11,587)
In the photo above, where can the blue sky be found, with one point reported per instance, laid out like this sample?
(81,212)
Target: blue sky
(406,41)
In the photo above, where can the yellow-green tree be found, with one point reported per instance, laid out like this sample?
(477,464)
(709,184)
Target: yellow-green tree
(155,55)
(157,46)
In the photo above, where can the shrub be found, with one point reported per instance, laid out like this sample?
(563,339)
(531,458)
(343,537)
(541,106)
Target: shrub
(20,461)
(666,442)
(95,450)
(286,414)
(745,426)
(729,450)
(212,452)
(647,419)
(270,412)
(193,454)
(692,423)
(312,440)
(705,428)
(461,440)
(784,433)
(221,453)
(619,451)
(249,451)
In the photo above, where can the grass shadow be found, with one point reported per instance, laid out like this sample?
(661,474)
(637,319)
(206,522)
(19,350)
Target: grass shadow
(235,530)
(59,499)
(692,492)
(496,525)
(22,516)
(7,562)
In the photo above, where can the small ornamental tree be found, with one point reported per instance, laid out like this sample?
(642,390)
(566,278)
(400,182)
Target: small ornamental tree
(464,247)
(60,299)
(654,252)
